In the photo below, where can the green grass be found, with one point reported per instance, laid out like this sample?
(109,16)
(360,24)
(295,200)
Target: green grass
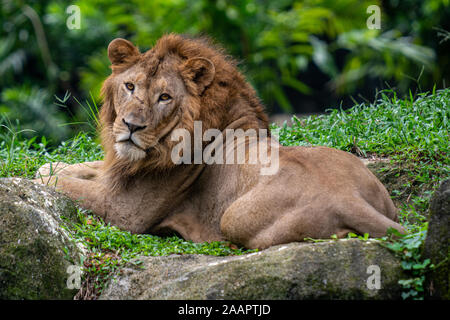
(22,158)
(412,132)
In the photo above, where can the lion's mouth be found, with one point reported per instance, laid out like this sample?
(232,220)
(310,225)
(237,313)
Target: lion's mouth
(128,149)
(131,142)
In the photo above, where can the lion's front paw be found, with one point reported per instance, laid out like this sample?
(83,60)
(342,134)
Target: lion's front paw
(50,169)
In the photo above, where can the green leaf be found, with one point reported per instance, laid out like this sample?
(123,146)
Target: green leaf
(322,58)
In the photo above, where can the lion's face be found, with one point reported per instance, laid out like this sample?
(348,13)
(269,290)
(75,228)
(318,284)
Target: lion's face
(151,96)
(148,107)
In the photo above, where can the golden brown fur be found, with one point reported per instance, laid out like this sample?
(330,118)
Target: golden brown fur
(317,192)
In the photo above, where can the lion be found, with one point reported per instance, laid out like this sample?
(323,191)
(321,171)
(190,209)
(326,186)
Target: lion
(317,192)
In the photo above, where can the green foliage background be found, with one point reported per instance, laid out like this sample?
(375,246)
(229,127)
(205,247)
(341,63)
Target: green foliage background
(289,49)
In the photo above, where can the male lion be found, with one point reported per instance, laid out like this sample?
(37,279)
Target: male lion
(316,192)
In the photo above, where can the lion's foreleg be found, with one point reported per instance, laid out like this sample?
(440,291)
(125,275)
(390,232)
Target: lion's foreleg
(85,170)
(90,194)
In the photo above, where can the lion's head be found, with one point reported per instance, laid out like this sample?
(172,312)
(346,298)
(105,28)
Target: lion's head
(148,95)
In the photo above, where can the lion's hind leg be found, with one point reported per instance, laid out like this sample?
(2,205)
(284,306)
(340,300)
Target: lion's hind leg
(264,217)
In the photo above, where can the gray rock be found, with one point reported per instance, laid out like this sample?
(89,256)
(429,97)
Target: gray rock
(35,250)
(324,270)
(437,244)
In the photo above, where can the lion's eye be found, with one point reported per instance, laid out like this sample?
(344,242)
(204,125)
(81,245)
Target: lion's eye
(164,97)
(129,86)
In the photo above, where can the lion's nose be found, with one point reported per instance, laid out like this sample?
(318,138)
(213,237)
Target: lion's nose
(133,127)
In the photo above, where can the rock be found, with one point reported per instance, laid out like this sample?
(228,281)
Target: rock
(326,270)
(437,244)
(35,250)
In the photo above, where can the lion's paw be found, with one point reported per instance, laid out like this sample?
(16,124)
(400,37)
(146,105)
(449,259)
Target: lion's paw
(51,169)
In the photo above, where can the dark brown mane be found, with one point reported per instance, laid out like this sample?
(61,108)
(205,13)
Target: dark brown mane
(216,107)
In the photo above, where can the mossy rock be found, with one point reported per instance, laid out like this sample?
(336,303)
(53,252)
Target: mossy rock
(335,269)
(35,249)
(437,244)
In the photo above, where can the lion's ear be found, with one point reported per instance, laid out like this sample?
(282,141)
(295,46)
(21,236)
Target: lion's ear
(198,73)
(122,51)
